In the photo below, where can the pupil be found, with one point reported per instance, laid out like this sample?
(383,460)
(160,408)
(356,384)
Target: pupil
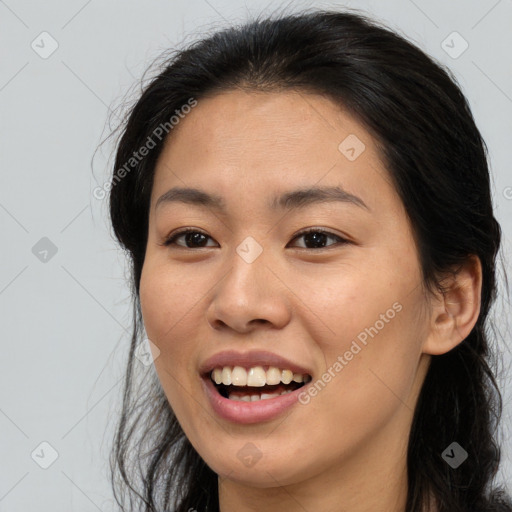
(317,238)
(195,238)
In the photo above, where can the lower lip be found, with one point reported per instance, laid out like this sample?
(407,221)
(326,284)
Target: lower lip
(249,412)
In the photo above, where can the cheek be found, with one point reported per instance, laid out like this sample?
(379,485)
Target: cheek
(167,301)
(374,364)
(164,303)
(166,313)
(372,334)
(345,301)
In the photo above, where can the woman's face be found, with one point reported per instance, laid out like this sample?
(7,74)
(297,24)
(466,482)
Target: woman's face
(342,306)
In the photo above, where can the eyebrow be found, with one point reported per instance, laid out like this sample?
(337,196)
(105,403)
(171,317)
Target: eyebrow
(294,199)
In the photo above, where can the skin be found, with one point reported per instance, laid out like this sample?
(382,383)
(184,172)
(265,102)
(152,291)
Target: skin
(346,449)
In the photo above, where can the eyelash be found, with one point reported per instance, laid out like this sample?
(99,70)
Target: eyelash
(172,238)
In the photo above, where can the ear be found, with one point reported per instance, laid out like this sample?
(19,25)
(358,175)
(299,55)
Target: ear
(455,312)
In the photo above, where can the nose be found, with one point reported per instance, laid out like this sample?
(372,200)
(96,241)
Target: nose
(250,295)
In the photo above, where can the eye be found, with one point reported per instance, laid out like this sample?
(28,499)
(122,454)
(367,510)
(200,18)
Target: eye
(317,237)
(191,236)
(314,238)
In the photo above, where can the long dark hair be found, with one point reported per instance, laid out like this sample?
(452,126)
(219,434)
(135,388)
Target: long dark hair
(438,163)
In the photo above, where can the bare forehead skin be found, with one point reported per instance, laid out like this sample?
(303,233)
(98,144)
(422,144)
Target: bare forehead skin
(236,121)
(271,139)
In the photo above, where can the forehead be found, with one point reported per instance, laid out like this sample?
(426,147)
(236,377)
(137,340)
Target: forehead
(267,142)
(285,125)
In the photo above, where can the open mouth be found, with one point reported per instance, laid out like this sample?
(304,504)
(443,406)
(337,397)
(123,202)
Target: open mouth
(254,384)
(250,394)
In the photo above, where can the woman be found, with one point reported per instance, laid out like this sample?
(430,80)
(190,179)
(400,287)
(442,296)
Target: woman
(305,202)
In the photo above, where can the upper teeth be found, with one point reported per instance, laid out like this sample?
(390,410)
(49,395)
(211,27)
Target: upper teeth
(255,376)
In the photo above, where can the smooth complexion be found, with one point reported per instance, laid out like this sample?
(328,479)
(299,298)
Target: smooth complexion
(346,449)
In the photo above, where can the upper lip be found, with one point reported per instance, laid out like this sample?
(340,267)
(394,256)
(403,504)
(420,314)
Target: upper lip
(249,360)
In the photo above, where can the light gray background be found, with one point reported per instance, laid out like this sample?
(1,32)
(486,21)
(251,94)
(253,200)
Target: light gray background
(66,321)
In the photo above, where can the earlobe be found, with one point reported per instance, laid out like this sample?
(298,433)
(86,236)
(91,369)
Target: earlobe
(455,312)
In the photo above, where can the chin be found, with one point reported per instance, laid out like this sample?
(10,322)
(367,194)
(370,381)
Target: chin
(260,474)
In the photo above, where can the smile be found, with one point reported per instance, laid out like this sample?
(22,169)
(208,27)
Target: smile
(257,400)
(256,383)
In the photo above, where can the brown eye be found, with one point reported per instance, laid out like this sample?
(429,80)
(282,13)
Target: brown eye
(316,238)
(193,239)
